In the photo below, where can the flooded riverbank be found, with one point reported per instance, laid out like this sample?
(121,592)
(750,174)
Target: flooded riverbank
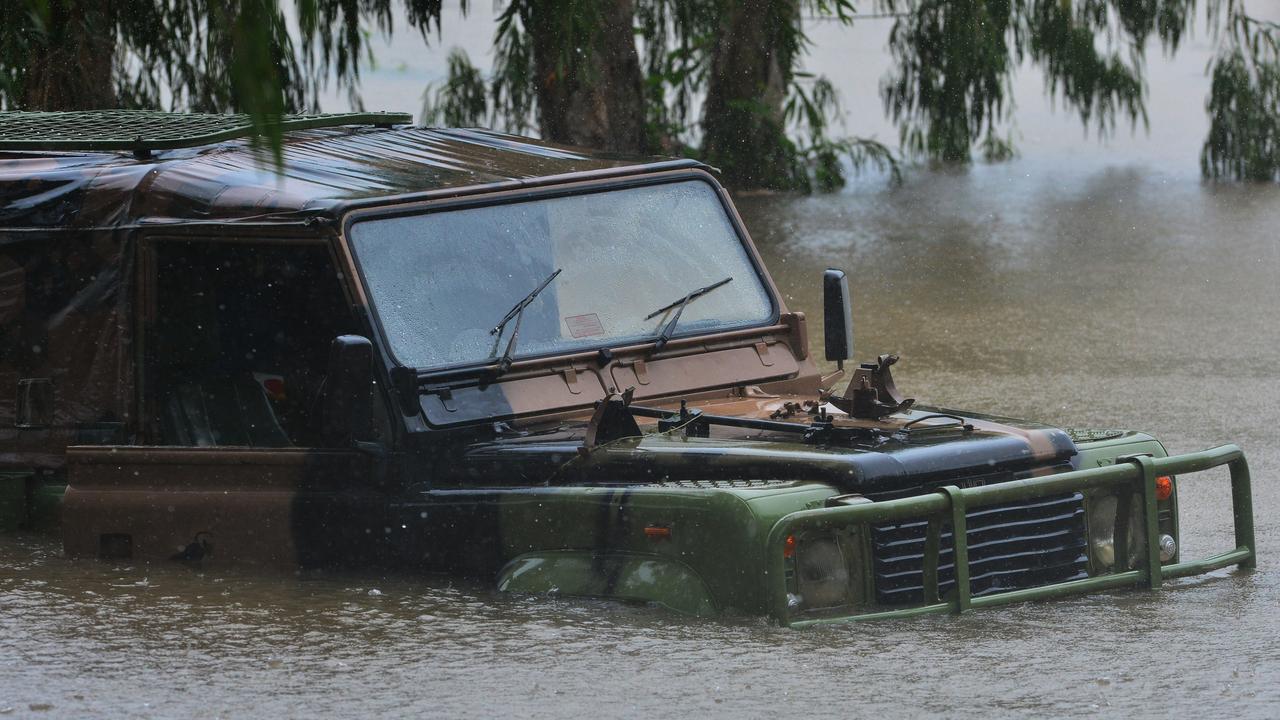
(1096,297)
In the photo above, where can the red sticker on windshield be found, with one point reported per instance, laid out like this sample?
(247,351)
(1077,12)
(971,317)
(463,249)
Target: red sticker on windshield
(581,326)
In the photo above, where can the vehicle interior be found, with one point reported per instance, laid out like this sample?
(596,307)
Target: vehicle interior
(239,345)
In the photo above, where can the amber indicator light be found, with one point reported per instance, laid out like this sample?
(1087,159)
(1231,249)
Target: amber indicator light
(789,547)
(1164,487)
(657,532)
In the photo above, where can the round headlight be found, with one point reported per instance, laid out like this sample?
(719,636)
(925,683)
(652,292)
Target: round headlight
(1102,528)
(1168,548)
(822,573)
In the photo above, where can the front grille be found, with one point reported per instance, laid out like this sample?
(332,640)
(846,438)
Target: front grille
(1017,545)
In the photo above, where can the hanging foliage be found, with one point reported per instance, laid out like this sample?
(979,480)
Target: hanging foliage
(462,101)
(1244,103)
(190,55)
(719,79)
(949,89)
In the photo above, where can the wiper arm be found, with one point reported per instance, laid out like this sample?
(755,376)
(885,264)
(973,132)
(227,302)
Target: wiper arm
(517,313)
(670,327)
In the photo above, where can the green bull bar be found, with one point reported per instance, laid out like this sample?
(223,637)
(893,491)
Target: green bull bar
(950,504)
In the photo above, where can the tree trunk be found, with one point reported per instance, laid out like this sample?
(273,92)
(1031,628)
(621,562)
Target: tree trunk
(590,89)
(744,133)
(70,67)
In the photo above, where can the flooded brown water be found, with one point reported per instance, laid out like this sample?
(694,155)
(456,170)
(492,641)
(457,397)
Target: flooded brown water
(1085,284)
(1103,297)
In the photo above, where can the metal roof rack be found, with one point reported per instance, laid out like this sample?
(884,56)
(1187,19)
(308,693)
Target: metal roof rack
(145,131)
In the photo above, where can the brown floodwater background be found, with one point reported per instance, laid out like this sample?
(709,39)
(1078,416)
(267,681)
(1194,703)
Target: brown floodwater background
(1113,297)
(1086,284)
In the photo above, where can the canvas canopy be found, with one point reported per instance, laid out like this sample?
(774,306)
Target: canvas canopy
(69,222)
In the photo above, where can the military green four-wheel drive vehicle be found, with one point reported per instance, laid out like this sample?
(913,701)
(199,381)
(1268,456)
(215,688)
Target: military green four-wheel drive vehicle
(462,351)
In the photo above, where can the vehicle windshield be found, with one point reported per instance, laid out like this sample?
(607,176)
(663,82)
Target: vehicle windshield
(441,281)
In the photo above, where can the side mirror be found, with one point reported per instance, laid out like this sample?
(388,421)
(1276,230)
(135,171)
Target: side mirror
(837,319)
(346,400)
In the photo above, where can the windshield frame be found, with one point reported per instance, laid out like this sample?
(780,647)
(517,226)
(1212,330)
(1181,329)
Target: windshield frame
(568,188)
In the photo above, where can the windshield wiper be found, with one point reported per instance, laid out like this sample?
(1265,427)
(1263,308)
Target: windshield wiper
(680,304)
(517,313)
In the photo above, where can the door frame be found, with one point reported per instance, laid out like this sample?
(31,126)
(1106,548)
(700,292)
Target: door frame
(145,318)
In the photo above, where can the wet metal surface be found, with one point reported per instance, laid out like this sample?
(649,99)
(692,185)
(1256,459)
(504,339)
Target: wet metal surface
(1095,297)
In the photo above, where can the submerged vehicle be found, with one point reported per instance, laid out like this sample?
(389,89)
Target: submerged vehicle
(463,351)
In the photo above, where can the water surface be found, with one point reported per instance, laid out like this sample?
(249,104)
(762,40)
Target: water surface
(1115,297)
(1086,283)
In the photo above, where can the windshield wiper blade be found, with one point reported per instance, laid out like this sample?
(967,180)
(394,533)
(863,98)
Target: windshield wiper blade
(517,313)
(680,304)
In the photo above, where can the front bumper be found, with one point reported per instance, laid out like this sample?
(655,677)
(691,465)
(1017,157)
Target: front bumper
(950,505)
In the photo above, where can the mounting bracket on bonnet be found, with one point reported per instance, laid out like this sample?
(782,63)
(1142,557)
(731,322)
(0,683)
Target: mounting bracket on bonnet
(612,420)
(872,394)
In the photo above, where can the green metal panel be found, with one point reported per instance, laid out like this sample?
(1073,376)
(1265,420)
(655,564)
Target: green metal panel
(1242,510)
(45,505)
(625,576)
(718,533)
(147,131)
(1150,519)
(13,501)
(1133,473)
(960,546)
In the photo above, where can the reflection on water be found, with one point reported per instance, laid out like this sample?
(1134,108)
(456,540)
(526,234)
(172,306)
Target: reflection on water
(1108,298)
